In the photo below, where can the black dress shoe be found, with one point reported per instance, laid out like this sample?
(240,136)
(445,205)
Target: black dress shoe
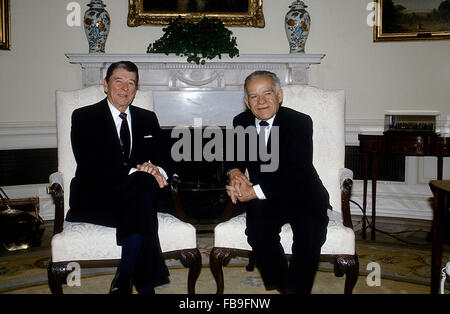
(121,284)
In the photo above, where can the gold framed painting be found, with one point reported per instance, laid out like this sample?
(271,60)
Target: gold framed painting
(397,20)
(5,43)
(243,13)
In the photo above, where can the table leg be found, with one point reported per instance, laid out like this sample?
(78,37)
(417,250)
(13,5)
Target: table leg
(439,168)
(437,245)
(374,194)
(366,166)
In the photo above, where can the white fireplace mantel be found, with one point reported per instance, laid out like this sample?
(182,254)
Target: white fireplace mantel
(171,72)
(185,91)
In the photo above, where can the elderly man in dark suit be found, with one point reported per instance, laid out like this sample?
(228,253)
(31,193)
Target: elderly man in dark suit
(122,163)
(292,193)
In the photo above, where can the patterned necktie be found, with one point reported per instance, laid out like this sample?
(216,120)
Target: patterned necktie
(125,140)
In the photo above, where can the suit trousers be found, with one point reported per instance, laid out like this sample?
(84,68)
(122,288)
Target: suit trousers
(137,214)
(264,221)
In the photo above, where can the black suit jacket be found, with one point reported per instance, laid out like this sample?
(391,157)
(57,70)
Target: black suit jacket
(95,189)
(295,183)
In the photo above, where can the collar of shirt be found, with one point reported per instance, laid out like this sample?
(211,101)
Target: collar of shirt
(118,121)
(268,128)
(270,121)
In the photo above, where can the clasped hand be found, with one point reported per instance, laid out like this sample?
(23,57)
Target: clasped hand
(240,188)
(153,170)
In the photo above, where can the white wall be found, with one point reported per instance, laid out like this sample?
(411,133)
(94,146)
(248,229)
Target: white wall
(376,76)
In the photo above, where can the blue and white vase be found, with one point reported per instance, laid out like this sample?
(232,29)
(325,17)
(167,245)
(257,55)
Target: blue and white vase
(297,23)
(96,26)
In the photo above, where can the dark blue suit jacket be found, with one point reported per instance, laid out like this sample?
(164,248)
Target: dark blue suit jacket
(100,169)
(295,183)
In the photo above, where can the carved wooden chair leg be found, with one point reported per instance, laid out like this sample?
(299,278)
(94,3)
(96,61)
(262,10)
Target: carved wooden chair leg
(348,265)
(192,259)
(351,275)
(57,275)
(251,262)
(219,257)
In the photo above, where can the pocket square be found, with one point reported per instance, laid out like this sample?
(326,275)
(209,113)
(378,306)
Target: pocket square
(148,136)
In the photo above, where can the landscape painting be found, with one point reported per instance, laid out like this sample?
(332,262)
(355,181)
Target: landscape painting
(412,20)
(4,25)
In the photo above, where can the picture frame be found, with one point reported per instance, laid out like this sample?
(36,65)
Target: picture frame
(409,20)
(239,13)
(5,43)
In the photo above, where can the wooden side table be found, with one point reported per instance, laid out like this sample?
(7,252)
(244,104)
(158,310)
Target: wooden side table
(410,144)
(441,192)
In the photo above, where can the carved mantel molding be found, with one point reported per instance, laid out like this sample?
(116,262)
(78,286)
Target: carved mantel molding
(170,72)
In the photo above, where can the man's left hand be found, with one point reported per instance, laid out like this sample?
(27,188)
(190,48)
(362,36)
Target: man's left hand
(153,170)
(246,192)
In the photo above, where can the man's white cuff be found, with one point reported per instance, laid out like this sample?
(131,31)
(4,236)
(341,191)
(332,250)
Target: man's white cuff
(258,191)
(163,173)
(133,170)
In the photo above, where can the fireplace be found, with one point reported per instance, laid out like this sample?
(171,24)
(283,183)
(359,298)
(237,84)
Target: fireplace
(200,185)
(198,96)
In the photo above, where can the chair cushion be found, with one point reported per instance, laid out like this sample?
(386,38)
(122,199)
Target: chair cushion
(340,239)
(85,241)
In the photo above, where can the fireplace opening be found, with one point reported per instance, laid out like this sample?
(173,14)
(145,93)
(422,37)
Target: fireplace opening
(201,186)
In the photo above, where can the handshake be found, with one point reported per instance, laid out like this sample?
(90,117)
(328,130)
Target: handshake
(240,188)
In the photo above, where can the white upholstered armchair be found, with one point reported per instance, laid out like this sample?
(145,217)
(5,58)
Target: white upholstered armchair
(93,245)
(326,109)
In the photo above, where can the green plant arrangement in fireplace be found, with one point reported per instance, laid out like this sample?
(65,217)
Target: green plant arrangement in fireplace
(206,39)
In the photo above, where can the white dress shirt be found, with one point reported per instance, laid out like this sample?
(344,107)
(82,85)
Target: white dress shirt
(118,122)
(258,191)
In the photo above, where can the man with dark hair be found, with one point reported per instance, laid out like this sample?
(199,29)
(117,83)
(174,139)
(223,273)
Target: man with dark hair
(117,147)
(125,65)
(293,193)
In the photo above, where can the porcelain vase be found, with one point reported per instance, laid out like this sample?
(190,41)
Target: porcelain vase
(96,26)
(297,24)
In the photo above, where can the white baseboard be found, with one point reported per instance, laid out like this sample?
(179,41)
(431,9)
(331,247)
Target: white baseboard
(394,201)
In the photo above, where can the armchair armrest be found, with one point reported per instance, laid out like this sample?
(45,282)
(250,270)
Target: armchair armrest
(346,181)
(344,174)
(57,191)
(56,177)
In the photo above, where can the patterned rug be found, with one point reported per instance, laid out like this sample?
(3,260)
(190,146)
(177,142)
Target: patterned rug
(404,269)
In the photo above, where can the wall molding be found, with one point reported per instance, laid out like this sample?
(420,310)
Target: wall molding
(27,135)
